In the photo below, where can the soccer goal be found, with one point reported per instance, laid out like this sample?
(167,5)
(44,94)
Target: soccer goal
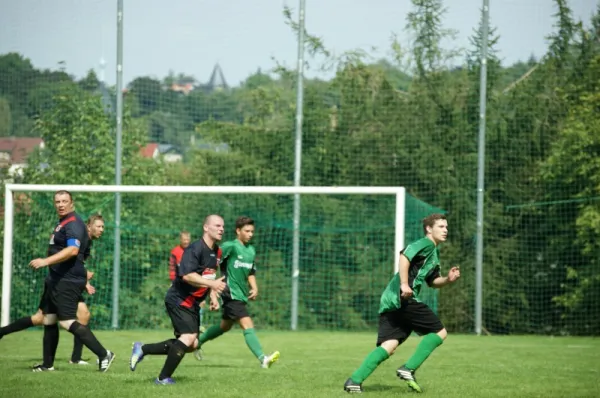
(322,269)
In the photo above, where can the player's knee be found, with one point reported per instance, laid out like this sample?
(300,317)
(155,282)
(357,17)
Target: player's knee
(443,334)
(192,347)
(246,323)
(390,346)
(66,324)
(83,314)
(50,319)
(189,340)
(226,326)
(37,319)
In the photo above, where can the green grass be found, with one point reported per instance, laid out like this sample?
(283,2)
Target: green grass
(312,364)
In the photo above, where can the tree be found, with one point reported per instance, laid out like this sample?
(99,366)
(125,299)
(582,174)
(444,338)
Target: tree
(572,169)
(148,92)
(90,82)
(561,39)
(5,118)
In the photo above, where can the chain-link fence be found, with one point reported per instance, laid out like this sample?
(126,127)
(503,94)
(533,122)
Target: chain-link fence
(390,98)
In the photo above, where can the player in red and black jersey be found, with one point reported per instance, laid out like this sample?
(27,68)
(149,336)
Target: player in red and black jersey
(195,278)
(66,281)
(177,252)
(175,258)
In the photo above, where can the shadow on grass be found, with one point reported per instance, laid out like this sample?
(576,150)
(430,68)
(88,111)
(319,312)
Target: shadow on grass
(399,388)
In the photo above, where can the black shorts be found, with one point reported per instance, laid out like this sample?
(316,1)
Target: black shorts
(400,323)
(61,298)
(185,320)
(234,310)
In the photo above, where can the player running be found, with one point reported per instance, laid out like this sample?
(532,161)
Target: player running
(401,312)
(238,266)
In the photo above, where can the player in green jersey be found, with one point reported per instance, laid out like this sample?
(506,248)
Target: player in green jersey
(401,312)
(237,265)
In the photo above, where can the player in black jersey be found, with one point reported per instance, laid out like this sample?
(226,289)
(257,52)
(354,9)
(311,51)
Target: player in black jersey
(195,278)
(95,227)
(65,283)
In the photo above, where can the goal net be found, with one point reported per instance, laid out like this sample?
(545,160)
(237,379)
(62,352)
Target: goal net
(348,242)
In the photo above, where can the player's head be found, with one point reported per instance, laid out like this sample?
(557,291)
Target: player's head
(184,239)
(244,229)
(435,227)
(213,227)
(95,226)
(63,202)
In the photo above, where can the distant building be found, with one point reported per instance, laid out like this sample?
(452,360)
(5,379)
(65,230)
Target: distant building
(216,82)
(14,152)
(167,152)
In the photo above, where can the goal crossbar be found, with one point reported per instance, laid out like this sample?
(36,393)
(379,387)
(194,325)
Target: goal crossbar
(398,192)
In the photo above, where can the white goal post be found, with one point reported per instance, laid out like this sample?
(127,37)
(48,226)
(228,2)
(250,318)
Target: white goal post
(398,192)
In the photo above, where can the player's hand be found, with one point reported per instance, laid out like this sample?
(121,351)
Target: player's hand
(214,301)
(90,289)
(37,263)
(253,294)
(406,291)
(219,286)
(454,274)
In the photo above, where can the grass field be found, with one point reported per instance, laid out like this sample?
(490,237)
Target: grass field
(313,364)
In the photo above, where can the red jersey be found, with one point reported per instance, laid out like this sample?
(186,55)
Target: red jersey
(175,259)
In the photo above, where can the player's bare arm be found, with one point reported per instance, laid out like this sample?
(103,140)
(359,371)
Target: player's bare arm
(253,287)
(59,257)
(453,276)
(406,291)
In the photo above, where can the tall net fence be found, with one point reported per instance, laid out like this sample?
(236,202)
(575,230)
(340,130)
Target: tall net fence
(404,114)
(346,254)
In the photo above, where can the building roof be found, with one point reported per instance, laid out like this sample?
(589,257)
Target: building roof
(217,79)
(19,148)
(149,150)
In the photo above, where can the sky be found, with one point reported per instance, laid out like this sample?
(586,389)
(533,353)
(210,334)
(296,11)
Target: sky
(191,36)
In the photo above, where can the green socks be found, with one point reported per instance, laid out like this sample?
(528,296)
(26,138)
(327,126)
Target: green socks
(370,363)
(249,335)
(428,343)
(253,343)
(211,333)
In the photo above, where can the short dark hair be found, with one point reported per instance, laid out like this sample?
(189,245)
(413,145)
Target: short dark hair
(431,219)
(93,218)
(63,192)
(242,221)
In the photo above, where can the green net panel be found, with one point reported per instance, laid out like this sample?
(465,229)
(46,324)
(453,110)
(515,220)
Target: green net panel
(346,254)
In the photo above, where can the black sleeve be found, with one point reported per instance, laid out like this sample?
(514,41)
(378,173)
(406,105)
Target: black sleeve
(435,273)
(190,260)
(253,269)
(75,234)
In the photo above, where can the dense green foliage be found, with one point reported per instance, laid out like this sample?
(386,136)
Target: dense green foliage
(372,124)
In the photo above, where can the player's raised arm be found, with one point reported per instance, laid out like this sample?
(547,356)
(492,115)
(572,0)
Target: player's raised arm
(437,281)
